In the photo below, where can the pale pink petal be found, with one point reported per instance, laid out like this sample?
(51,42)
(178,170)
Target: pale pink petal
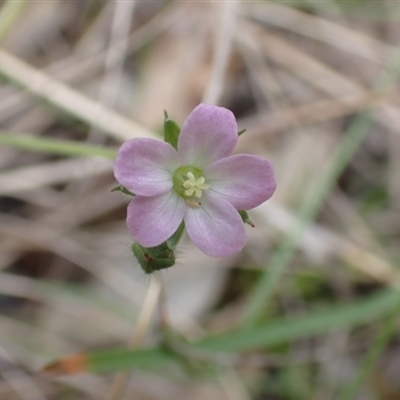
(145,166)
(215,227)
(208,134)
(152,220)
(244,180)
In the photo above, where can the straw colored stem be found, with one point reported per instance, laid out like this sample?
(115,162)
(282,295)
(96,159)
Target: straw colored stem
(144,320)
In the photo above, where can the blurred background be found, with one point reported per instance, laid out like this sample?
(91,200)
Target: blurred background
(309,309)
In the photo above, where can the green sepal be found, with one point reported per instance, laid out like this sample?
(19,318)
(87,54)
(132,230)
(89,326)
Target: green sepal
(153,259)
(174,239)
(171,131)
(245,218)
(241,132)
(122,189)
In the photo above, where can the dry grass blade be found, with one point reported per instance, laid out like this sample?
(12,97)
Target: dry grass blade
(115,57)
(317,74)
(330,244)
(74,251)
(69,100)
(314,72)
(213,91)
(19,380)
(324,110)
(143,323)
(80,67)
(320,29)
(41,175)
(69,305)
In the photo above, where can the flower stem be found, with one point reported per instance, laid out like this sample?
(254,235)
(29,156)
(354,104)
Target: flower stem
(162,304)
(146,314)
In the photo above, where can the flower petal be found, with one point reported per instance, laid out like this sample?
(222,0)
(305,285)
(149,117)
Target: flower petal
(152,220)
(208,134)
(244,180)
(215,227)
(145,166)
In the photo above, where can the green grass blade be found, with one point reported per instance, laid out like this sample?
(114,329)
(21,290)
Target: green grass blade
(121,359)
(265,287)
(386,332)
(61,147)
(275,332)
(9,14)
(355,134)
(366,9)
(287,329)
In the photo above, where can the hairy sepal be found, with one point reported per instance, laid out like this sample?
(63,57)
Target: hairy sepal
(160,257)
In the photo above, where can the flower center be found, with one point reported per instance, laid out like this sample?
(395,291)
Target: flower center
(189,182)
(194,186)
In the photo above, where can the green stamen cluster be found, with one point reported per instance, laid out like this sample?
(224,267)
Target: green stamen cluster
(189,182)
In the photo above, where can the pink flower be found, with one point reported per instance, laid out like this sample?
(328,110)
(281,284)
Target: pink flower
(201,183)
